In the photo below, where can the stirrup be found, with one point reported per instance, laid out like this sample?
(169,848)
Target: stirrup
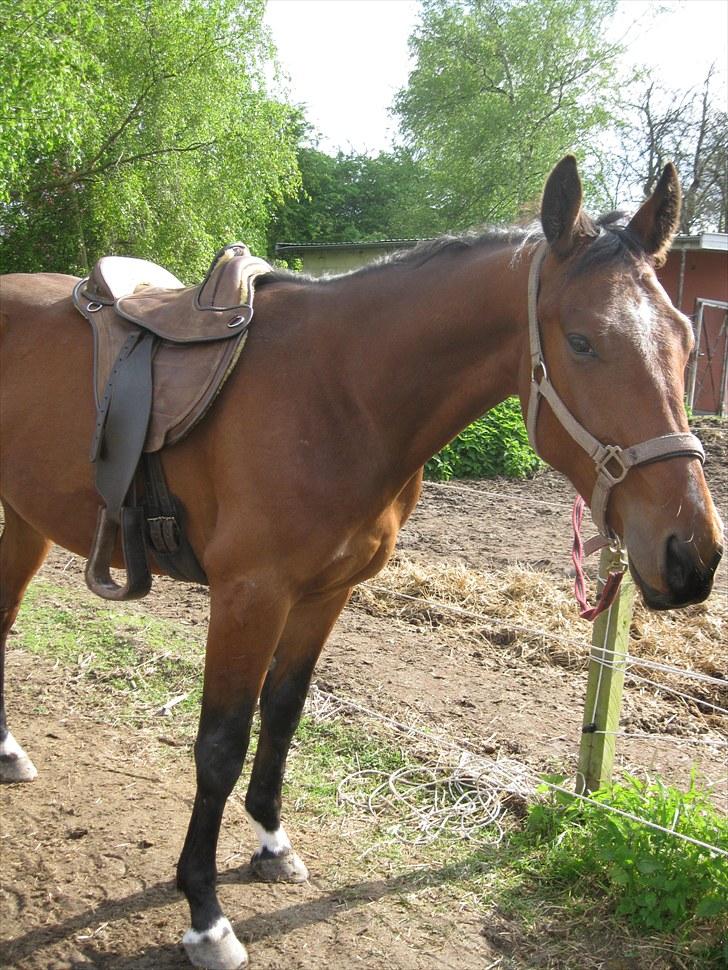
(138,575)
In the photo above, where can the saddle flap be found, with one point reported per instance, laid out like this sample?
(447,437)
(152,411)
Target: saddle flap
(219,308)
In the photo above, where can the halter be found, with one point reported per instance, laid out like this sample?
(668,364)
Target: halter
(612,462)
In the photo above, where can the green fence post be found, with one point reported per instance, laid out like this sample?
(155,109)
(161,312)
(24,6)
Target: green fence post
(610,643)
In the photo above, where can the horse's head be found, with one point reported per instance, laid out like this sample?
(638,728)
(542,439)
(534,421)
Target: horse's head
(607,358)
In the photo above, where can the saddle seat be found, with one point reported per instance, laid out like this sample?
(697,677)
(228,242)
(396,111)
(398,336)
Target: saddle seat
(120,276)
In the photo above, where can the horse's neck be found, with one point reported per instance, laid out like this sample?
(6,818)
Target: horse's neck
(428,349)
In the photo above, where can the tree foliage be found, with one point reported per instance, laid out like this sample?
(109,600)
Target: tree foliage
(350,198)
(499,91)
(137,127)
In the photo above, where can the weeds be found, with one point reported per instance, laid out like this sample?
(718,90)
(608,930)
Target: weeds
(654,880)
(496,444)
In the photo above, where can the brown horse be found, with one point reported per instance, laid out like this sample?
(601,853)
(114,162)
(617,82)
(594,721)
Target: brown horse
(299,479)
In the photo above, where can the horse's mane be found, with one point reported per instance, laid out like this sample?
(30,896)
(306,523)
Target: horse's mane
(613,243)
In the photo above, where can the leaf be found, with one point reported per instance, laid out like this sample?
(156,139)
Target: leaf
(620,876)
(711,906)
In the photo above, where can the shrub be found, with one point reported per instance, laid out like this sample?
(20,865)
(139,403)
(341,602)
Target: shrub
(654,880)
(496,444)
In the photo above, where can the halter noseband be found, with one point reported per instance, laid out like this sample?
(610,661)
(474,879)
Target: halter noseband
(612,462)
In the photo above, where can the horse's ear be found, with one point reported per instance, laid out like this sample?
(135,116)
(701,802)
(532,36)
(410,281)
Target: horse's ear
(561,216)
(657,221)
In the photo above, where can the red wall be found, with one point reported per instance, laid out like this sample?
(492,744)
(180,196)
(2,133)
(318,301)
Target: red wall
(706,277)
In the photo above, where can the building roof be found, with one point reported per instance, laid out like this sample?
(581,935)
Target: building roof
(705,240)
(717,241)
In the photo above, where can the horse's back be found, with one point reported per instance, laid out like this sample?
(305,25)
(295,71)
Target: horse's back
(33,292)
(39,321)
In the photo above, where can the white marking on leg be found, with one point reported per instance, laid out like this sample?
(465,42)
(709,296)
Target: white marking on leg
(275,842)
(215,949)
(10,747)
(220,928)
(15,765)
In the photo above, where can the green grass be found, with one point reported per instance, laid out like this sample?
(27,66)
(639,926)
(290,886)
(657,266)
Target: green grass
(324,753)
(609,881)
(144,658)
(655,881)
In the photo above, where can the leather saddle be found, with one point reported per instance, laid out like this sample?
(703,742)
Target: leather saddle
(162,352)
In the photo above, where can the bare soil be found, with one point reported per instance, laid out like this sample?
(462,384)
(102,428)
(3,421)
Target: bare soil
(89,849)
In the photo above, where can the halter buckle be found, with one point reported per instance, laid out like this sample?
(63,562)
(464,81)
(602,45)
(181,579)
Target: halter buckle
(609,454)
(538,365)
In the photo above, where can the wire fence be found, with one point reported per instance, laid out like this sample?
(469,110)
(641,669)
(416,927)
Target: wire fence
(626,662)
(504,496)
(463,794)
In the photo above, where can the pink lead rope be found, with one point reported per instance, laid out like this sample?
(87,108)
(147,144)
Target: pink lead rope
(577,556)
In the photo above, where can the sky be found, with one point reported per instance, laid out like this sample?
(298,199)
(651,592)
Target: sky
(346,59)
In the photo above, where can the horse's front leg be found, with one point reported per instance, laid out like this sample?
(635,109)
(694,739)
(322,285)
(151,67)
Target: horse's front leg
(246,621)
(281,703)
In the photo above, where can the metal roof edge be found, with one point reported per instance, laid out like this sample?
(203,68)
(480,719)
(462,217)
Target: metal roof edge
(283,247)
(716,241)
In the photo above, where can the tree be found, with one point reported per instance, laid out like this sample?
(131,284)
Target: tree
(137,127)
(500,90)
(351,197)
(682,126)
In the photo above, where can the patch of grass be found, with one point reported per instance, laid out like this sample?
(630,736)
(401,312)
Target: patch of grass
(584,861)
(656,881)
(325,752)
(142,657)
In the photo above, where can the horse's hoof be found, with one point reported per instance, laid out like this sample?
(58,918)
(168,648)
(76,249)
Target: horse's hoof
(15,765)
(286,866)
(215,949)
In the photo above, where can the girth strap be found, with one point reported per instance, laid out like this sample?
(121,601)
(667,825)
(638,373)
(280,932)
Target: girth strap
(165,520)
(611,461)
(123,421)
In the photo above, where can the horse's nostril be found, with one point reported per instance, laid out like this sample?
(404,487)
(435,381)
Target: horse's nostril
(689,579)
(679,563)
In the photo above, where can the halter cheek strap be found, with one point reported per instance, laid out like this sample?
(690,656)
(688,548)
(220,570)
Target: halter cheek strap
(611,461)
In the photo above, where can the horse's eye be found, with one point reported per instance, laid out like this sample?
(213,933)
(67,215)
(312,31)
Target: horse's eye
(580,345)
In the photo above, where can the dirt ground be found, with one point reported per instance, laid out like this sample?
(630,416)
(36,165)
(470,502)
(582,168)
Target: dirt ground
(89,849)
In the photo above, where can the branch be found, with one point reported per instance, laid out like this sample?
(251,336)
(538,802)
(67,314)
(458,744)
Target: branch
(89,174)
(41,16)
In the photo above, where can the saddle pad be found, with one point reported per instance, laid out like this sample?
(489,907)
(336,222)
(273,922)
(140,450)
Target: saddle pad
(187,372)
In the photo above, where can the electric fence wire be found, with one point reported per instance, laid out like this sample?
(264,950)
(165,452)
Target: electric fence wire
(581,645)
(503,775)
(505,496)
(424,821)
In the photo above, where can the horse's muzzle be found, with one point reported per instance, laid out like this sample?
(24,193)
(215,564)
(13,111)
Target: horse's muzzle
(688,578)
